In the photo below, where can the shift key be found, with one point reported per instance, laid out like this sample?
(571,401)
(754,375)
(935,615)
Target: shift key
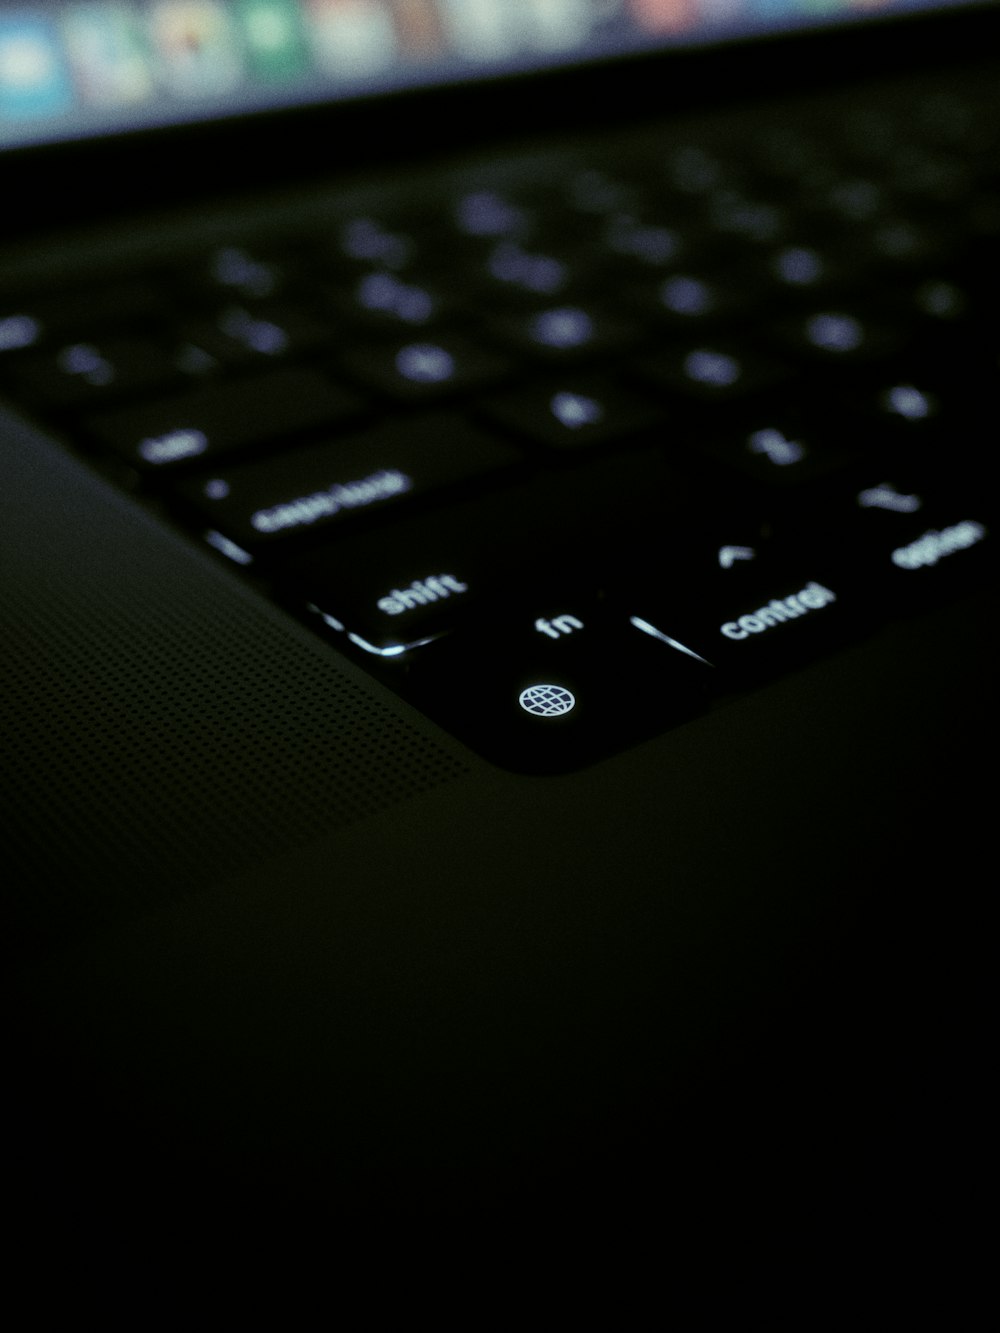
(326,486)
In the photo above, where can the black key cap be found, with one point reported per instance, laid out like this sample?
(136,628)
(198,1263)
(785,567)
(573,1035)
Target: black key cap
(221,419)
(719,373)
(800,272)
(753,598)
(840,337)
(388,590)
(913,423)
(902,543)
(426,371)
(781,449)
(847,201)
(364,241)
(902,243)
(83,374)
(561,334)
(328,485)
(81,314)
(517,275)
(577,413)
(383,619)
(421,576)
(639,246)
(930,179)
(383,300)
(731,213)
(592,191)
(768,619)
(239,336)
(488,215)
(695,170)
(245,273)
(564,682)
(695,299)
(19,329)
(425,573)
(939,300)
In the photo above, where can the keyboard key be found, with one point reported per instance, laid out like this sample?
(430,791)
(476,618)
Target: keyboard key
(306,490)
(240,336)
(830,337)
(900,242)
(365,241)
(784,452)
(715,373)
(247,274)
(906,543)
(561,334)
(386,619)
(754,619)
(382,299)
(591,190)
(574,414)
(695,299)
(83,374)
(389,590)
(853,199)
(19,330)
(82,314)
(732,214)
(801,272)
(637,245)
(939,299)
(427,572)
(426,370)
(218,420)
(518,275)
(239,272)
(564,682)
(931,179)
(915,424)
(490,215)
(695,170)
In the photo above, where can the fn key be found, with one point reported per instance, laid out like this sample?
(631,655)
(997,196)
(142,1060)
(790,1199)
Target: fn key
(556,688)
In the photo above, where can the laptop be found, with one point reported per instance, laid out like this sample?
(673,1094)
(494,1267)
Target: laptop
(496,547)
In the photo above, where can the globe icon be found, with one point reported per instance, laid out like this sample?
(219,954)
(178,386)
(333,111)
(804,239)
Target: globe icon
(547,700)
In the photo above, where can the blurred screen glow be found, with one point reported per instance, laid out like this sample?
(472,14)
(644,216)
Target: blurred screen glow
(83,67)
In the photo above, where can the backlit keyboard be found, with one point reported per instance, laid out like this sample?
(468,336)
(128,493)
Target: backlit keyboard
(569,445)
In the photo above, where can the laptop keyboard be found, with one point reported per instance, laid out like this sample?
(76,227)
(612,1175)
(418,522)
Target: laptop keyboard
(567,448)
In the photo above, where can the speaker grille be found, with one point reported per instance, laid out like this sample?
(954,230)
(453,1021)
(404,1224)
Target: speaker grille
(162,725)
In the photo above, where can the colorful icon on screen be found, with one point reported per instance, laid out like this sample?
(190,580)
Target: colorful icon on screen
(479,30)
(352,38)
(110,64)
(663,16)
(273,38)
(197,46)
(418,29)
(34,80)
(560,25)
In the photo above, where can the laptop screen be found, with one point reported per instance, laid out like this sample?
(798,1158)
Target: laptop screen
(77,68)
